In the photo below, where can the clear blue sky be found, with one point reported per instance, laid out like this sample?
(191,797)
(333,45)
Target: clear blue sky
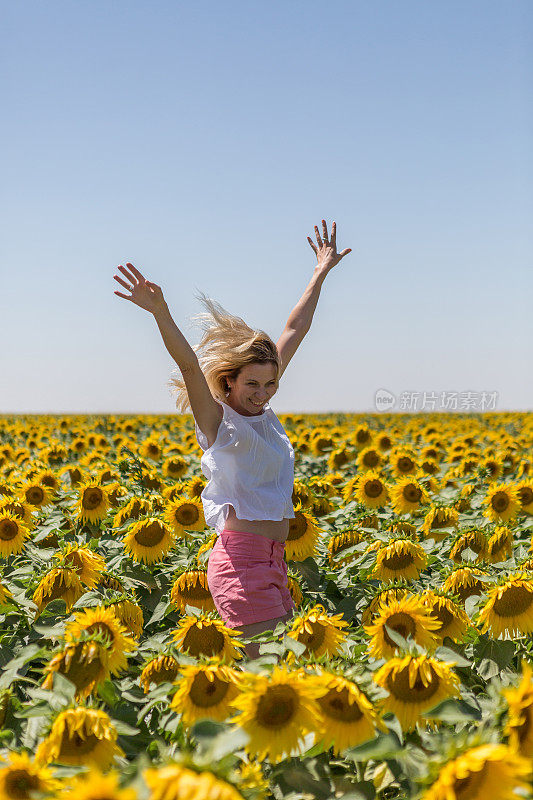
(203,141)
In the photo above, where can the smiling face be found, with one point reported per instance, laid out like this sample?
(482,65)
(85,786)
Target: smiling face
(252,388)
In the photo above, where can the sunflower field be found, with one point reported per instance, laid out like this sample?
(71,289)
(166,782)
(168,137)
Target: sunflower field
(404,673)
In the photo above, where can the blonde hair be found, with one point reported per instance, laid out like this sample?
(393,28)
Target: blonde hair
(228,345)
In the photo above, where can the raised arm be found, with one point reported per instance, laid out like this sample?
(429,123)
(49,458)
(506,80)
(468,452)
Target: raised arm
(301,316)
(145,294)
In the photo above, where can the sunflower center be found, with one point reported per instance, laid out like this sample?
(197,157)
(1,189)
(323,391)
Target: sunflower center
(500,502)
(401,623)
(205,693)
(398,561)
(8,529)
(73,745)
(297,527)
(525,495)
(336,706)
(412,493)
(92,498)
(315,639)
(206,640)
(444,615)
(371,459)
(101,627)
(187,514)
(362,437)
(468,788)
(525,727)
(398,685)
(277,706)
(405,464)
(440,520)
(514,601)
(80,670)
(19,784)
(373,488)
(150,534)
(164,675)
(35,495)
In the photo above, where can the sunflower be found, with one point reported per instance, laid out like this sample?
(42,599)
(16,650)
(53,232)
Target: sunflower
(524,491)
(96,785)
(371,490)
(438,518)
(129,614)
(403,464)
(5,595)
(207,545)
(474,540)
(175,781)
(21,778)
(500,545)
(60,583)
(407,617)
(384,441)
(415,684)
(162,669)
(205,635)
(369,458)
(85,664)
(250,776)
(83,736)
(400,558)
(465,582)
(191,588)
(519,727)
(13,534)
(509,608)
(205,691)
(362,437)
(276,711)
(321,633)
(490,771)
(135,508)
(195,486)
(93,502)
(340,542)
(20,509)
(103,620)
(454,622)
(340,457)
(148,540)
(407,495)
(295,587)
(348,716)
(88,565)
(303,536)
(36,495)
(185,515)
(175,467)
(502,503)
(382,596)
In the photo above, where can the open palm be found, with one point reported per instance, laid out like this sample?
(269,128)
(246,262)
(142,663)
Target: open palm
(144,294)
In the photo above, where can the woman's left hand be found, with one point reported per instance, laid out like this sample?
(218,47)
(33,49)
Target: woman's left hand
(326,253)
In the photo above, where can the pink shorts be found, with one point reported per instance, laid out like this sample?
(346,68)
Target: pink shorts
(247,578)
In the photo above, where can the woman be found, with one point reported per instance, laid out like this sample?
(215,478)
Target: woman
(247,459)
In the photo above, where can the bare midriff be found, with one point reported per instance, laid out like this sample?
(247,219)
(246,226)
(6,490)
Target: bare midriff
(270,528)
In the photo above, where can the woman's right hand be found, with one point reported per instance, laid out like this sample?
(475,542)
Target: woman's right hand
(144,294)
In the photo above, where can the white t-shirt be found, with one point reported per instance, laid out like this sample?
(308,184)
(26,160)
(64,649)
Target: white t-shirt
(250,466)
